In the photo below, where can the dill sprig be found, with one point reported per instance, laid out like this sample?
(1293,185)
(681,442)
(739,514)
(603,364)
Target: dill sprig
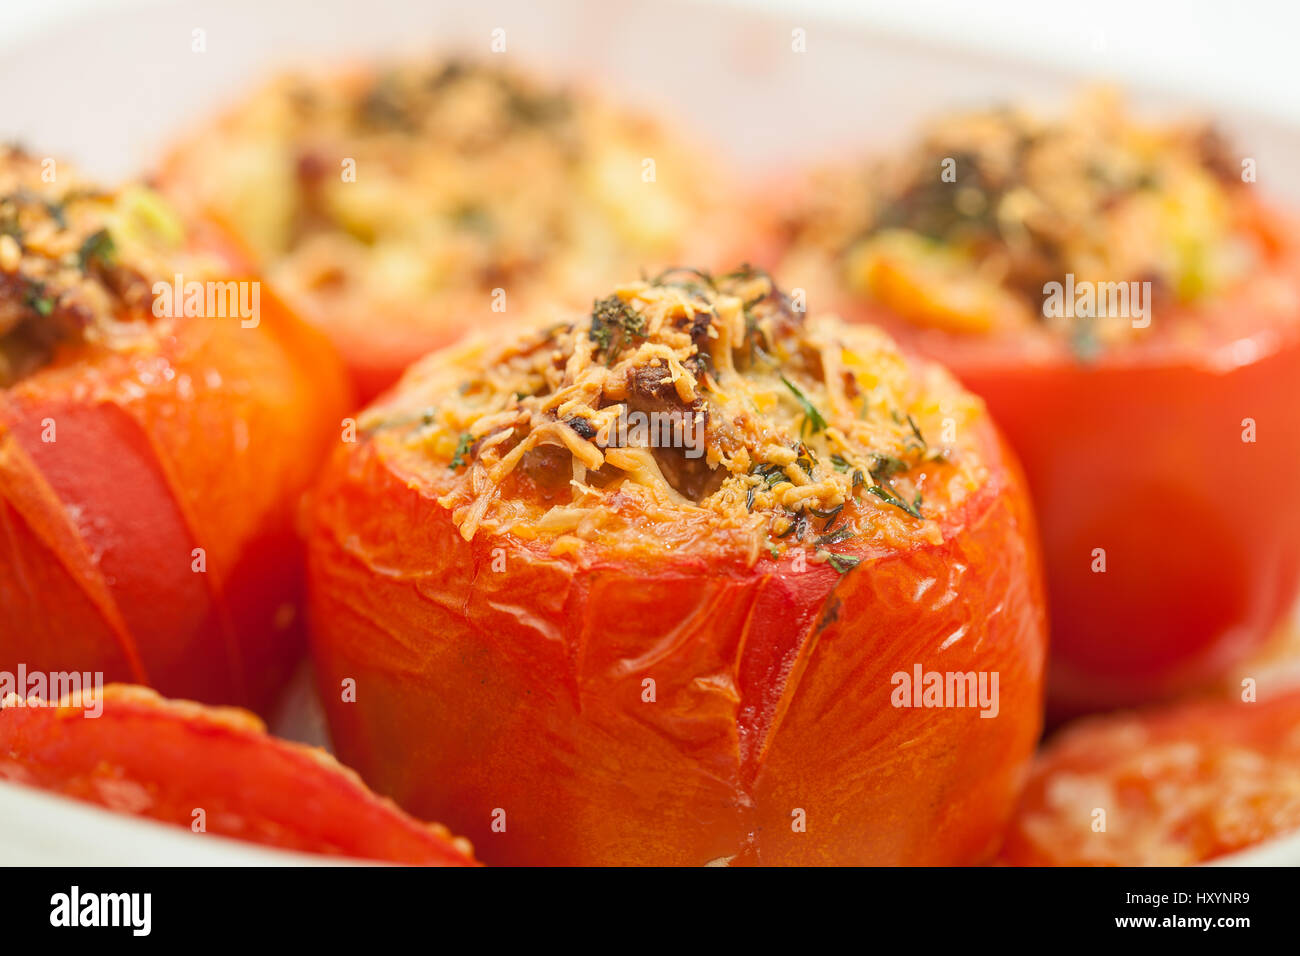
(813,422)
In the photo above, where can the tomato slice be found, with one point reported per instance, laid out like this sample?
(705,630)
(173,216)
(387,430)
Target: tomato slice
(182,763)
(1174,786)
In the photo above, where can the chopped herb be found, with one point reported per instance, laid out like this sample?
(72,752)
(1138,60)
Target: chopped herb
(841,463)
(831,516)
(834,537)
(36,298)
(773,550)
(911,422)
(97,249)
(884,494)
(843,563)
(798,526)
(462,449)
(812,419)
(807,462)
(884,467)
(612,320)
(749,498)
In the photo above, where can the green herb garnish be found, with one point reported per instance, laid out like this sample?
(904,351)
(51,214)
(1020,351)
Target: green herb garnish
(886,495)
(812,419)
(843,563)
(462,449)
(613,320)
(98,248)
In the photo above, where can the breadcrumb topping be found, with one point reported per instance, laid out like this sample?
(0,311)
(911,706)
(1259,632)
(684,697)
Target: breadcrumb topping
(778,430)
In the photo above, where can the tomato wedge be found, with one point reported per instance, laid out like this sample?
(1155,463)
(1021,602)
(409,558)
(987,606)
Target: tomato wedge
(211,770)
(1173,786)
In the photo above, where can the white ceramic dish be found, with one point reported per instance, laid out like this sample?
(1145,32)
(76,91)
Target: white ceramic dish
(109,90)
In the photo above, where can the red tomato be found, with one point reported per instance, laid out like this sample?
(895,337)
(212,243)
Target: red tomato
(502,688)
(147,502)
(1170,463)
(164,760)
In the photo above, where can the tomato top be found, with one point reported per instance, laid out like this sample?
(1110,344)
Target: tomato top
(1073,229)
(689,408)
(397,188)
(78,264)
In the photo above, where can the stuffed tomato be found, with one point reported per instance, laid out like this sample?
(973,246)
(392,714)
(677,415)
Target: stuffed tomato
(152,450)
(1129,309)
(213,770)
(689,579)
(1171,786)
(397,205)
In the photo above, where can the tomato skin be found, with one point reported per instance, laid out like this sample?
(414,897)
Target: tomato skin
(162,759)
(1201,529)
(205,443)
(1179,784)
(519,688)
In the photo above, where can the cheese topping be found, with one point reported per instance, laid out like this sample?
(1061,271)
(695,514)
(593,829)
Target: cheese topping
(77,263)
(964,231)
(687,405)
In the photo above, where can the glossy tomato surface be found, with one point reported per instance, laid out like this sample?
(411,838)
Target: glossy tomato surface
(652,708)
(147,502)
(185,764)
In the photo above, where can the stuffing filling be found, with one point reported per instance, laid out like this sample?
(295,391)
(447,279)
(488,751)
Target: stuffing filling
(688,403)
(396,187)
(965,230)
(77,263)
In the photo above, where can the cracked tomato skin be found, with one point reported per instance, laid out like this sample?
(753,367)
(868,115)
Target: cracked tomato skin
(204,441)
(675,709)
(163,759)
(1180,785)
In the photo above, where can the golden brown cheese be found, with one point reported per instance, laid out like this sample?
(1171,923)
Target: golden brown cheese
(686,406)
(405,188)
(963,230)
(78,263)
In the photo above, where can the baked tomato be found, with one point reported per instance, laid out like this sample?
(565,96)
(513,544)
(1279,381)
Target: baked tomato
(1131,314)
(1165,787)
(213,770)
(150,457)
(399,204)
(686,580)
